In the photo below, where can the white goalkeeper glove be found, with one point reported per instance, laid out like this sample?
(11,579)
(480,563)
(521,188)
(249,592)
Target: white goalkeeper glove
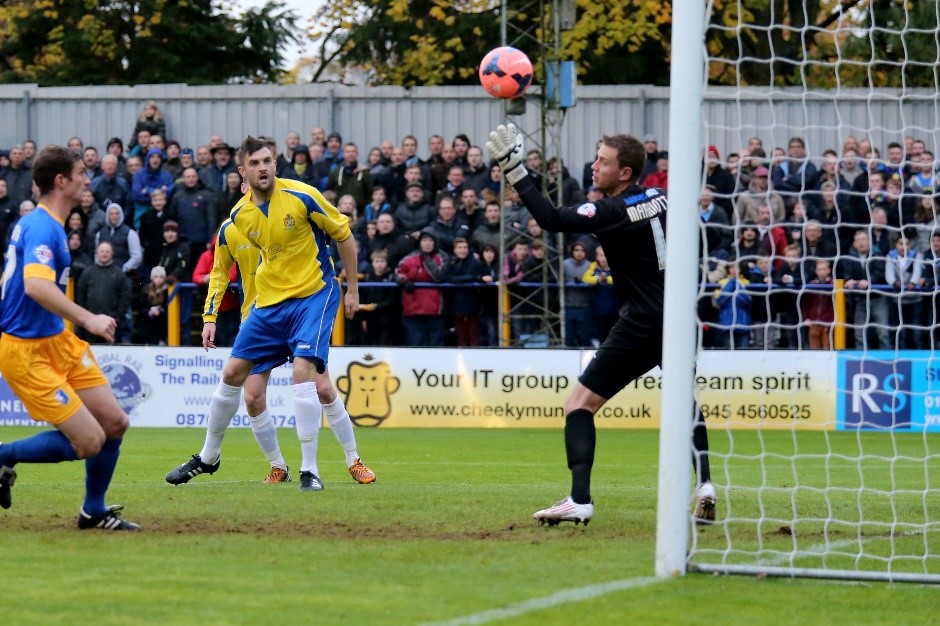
(505,146)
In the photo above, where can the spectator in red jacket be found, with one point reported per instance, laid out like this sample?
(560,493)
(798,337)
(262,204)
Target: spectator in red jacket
(422,306)
(773,239)
(660,177)
(226,326)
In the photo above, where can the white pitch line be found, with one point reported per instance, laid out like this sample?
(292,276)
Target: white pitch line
(591,591)
(561,597)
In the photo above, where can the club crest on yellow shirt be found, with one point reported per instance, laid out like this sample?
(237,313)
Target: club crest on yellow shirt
(288,221)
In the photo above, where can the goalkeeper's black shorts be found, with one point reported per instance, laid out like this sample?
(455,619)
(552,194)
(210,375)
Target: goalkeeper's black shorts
(632,348)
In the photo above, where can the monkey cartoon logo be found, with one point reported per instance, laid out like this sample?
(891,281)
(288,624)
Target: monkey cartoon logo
(368,388)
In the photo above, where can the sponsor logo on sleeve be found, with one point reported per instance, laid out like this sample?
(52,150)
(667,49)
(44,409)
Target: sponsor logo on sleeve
(587,210)
(43,254)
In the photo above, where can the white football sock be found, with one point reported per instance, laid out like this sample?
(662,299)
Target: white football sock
(262,427)
(222,407)
(307,408)
(342,428)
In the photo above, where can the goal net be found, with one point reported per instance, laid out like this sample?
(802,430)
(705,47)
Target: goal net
(817,318)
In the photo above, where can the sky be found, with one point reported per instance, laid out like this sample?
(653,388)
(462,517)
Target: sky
(304,8)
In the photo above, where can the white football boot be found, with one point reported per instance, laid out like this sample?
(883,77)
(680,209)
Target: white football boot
(705,503)
(566,510)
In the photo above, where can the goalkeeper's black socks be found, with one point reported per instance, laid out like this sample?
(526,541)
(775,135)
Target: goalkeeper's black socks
(580,439)
(700,448)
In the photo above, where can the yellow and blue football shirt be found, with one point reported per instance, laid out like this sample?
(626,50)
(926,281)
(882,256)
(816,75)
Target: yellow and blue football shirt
(38,248)
(292,230)
(231,247)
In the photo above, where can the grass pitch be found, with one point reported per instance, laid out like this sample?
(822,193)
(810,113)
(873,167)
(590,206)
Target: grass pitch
(444,536)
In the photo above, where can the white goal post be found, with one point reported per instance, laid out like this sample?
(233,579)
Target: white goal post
(687,75)
(841,480)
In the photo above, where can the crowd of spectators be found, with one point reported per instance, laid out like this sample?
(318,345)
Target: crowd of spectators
(780,229)
(776,231)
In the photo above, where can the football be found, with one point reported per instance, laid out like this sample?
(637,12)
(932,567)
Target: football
(506,72)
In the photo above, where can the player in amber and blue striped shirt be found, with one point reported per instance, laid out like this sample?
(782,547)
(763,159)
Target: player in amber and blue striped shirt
(232,247)
(297,297)
(53,372)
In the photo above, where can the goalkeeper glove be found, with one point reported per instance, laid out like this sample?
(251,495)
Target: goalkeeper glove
(505,146)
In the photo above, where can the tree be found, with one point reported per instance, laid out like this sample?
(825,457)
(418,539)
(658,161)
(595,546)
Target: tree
(78,42)
(853,43)
(441,42)
(750,42)
(897,44)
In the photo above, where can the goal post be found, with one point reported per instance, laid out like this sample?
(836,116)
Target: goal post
(825,461)
(687,74)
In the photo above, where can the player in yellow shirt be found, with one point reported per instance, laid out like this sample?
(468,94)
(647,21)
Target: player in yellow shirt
(53,372)
(232,247)
(296,301)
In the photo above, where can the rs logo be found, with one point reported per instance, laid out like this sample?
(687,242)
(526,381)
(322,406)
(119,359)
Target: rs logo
(879,393)
(864,387)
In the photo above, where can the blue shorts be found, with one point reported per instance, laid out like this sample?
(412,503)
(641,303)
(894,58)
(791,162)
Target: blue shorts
(300,327)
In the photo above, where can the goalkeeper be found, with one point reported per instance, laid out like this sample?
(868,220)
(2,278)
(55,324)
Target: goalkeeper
(630,223)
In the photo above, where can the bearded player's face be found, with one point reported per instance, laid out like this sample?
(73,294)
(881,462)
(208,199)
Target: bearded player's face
(258,170)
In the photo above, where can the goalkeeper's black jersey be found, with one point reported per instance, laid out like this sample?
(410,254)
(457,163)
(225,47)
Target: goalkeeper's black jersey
(631,227)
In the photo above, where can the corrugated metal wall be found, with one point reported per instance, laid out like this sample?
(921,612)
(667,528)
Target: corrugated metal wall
(367,115)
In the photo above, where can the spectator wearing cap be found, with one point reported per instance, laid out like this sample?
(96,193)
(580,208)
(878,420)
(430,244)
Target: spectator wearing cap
(187,160)
(103,289)
(116,147)
(333,154)
(175,259)
(747,246)
(150,177)
(414,214)
(4,159)
(651,147)
(213,176)
(300,168)
(422,307)
(173,165)
(758,192)
(720,179)
(660,177)
(110,186)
